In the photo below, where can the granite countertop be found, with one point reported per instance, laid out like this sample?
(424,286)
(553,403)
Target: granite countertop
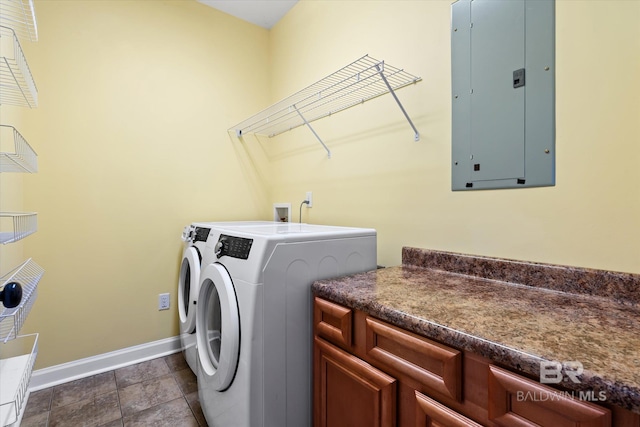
(513,313)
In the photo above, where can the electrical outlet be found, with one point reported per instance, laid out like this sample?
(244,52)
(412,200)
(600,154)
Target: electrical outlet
(163,302)
(309,199)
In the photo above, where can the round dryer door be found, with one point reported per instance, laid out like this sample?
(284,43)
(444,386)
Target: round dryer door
(188,286)
(218,326)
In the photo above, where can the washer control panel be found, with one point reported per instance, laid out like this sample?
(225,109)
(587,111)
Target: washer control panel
(200,234)
(235,247)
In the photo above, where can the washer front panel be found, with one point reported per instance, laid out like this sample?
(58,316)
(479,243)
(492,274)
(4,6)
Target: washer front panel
(218,326)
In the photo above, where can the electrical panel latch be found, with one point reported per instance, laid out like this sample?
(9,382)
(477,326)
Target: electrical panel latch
(518,78)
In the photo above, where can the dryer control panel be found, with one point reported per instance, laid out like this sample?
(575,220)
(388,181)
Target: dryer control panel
(235,247)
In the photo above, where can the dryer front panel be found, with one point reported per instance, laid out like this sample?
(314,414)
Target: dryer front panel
(218,327)
(188,287)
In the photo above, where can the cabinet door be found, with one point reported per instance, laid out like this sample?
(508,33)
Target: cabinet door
(430,413)
(349,392)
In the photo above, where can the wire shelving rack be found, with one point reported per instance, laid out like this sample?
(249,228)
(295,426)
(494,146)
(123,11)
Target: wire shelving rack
(22,158)
(362,80)
(21,16)
(17,86)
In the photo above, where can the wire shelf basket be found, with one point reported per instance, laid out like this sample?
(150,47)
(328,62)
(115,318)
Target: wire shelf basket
(22,158)
(16,82)
(356,83)
(20,16)
(22,224)
(16,365)
(28,274)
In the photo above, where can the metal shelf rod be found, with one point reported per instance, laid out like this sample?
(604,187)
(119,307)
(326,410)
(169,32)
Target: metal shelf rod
(380,70)
(314,132)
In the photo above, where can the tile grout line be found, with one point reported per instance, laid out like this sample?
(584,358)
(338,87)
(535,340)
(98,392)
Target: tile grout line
(184,396)
(174,373)
(119,401)
(174,370)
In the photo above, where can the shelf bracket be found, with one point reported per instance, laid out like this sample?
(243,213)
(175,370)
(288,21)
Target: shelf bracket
(313,131)
(380,69)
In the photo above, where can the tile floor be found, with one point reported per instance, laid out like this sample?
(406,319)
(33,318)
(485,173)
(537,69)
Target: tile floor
(160,392)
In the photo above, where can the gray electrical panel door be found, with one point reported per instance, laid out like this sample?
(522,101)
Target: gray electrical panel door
(503,94)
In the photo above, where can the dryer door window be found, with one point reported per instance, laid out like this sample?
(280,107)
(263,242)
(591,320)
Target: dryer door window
(185,276)
(188,289)
(218,326)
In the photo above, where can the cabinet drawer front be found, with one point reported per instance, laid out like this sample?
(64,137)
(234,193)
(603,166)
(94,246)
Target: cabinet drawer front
(333,322)
(350,392)
(434,365)
(518,401)
(430,413)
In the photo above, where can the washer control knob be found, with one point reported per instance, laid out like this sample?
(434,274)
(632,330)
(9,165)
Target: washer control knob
(221,247)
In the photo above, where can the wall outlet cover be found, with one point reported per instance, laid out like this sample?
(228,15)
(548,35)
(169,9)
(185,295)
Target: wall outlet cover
(163,302)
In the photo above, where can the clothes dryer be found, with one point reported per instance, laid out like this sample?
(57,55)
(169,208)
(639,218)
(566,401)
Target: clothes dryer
(254,317)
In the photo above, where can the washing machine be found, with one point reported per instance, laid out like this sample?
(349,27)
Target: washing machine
(194,237)
(254,317)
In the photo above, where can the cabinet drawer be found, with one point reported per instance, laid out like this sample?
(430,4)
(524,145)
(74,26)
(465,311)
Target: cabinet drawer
(333,322)
(518,401)
(430,413)
(436,366)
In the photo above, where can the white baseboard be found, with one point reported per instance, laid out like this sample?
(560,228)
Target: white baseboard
(70,371)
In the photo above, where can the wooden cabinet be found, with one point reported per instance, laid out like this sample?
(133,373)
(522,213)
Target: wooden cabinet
(368,373)
(349,392)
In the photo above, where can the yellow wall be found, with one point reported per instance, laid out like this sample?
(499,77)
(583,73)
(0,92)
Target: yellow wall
(378,177)
(136,98)
(131,131)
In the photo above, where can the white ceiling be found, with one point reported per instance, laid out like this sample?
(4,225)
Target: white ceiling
(264,13)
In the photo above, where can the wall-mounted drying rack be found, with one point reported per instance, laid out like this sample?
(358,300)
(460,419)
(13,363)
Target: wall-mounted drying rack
(360,81)
(16,82)
(21,16)
(22,224)
(23,158)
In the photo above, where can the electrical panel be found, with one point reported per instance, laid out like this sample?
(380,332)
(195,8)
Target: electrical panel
(503,94)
